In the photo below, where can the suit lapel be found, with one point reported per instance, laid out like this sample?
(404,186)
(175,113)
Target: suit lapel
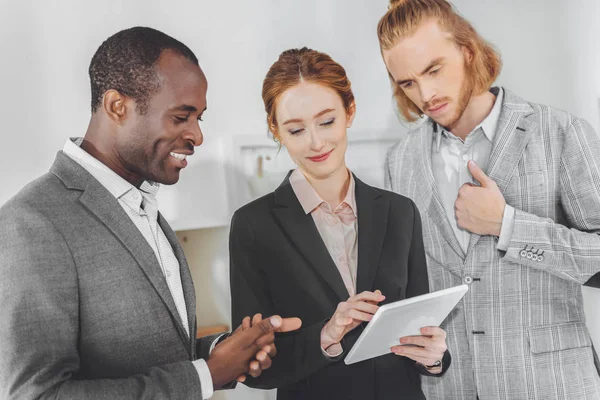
(512,135)
(189,293)
(303,234)
(372,225)
(429,195)
(106,208)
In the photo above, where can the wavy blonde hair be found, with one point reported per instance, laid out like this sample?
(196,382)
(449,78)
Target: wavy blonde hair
(404,17)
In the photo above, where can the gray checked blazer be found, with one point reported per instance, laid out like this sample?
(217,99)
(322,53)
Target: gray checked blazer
(520,331)
(85,312)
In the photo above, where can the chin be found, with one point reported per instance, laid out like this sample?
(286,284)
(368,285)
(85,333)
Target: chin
(168,179)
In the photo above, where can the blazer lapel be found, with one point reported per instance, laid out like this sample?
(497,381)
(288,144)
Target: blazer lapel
(303,234)
(513,133)
(372,225)
(189,293)
(429,196)
(107,209)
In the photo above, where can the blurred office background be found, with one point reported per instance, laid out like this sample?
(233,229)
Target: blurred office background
(550,50)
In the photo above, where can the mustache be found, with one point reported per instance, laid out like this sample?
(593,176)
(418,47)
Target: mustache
(436,103)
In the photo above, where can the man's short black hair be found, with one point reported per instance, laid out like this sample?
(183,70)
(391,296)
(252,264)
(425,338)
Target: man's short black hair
(126,62)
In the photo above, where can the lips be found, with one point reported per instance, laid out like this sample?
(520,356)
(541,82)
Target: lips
(180,158)
(321,157)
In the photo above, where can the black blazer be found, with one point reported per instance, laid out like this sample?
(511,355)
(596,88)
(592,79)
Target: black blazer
(280,265)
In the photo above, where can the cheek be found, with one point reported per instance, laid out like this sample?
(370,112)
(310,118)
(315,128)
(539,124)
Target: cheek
(295,147)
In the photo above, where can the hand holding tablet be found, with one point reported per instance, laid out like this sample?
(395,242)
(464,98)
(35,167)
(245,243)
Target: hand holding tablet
(405,319)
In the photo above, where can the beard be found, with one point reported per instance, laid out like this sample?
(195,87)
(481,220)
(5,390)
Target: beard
(464,97)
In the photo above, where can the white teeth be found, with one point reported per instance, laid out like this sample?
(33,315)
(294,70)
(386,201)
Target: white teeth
(178,156)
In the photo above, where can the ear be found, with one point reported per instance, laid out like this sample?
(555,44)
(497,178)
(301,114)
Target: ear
(468,54)
(116,106)
(350,114)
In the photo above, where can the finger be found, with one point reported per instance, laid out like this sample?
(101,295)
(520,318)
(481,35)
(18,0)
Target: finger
(246,323)
(270,349)
(435,331)
(254,369)
(265,340)
(359,315)
(256,319)
(367,296)
(422,341)
(422,352)
(342,321)
(263,359)
(363,306)
(241,378)
(478,174)
(289,324)
(266,326)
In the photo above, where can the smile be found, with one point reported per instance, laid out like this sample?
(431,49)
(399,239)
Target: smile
(178,156)
(321,157)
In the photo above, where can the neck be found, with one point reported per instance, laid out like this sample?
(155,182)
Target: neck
(478,108)
(99,143)
(332,188)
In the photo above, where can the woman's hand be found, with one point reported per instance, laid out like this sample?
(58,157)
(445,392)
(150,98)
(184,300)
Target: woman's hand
(427,348)
(348,315)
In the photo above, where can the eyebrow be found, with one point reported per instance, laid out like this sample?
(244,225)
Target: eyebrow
(187,108)
(317,115)
(426,70)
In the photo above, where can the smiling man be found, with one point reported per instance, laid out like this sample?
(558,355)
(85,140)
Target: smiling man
(96,298)
(509,192)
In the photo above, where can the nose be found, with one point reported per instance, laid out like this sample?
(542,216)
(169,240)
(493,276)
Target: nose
(427,92)
(195,135)
(316,142)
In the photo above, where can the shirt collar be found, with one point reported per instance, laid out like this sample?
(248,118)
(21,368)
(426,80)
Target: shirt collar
(488,125)
(309,198)
(115,184)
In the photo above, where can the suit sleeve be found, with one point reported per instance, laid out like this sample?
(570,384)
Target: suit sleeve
(418,281)
(39,332)
(569,252)
(299,353)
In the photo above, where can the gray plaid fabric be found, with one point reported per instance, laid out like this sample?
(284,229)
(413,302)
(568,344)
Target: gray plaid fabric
(520,331)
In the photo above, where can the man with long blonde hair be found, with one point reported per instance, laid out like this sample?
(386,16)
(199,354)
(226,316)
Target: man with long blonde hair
(509,192)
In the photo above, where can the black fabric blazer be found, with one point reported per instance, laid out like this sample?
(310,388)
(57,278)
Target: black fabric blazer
(280,265)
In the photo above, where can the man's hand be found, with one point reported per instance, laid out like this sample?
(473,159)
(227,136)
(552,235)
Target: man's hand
(231,358)
(479,209)
(262,360)
(427,348)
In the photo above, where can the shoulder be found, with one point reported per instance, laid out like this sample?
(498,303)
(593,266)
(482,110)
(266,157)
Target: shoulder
(45,194)
(253,214)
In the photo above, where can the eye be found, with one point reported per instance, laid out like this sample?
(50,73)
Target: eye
(435,71)
(328,122)
(200,118)
(179,119)
(407,85)
(295,131)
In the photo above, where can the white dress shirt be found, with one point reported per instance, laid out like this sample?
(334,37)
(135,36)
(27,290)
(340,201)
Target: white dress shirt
(449,158)
(142,207)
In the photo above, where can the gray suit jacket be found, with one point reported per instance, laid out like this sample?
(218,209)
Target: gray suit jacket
(520,331)
(85,310)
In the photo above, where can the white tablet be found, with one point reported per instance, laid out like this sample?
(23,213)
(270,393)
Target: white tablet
(403,318)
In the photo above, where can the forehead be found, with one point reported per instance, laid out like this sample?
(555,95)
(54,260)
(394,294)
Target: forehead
(306,99)
(181,81)
(414,53)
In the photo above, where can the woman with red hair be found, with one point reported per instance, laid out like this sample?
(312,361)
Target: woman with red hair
(329,249)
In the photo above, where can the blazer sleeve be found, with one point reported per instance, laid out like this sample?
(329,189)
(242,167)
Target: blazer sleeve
(418,281)
(569,252)
(299,353)
(39,332)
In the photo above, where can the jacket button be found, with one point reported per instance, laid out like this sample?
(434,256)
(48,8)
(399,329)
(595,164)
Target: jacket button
(468,280)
